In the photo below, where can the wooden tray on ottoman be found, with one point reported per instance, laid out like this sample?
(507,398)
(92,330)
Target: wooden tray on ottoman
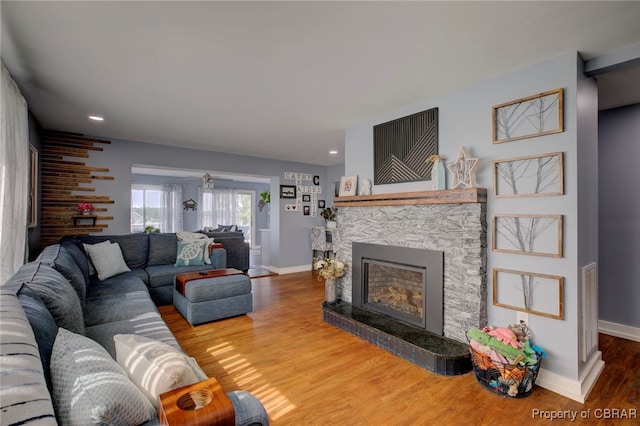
(183,279)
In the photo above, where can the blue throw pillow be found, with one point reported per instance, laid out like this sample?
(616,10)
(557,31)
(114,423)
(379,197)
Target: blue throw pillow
(191,253)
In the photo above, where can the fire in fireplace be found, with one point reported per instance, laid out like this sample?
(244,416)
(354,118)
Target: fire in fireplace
(400,282)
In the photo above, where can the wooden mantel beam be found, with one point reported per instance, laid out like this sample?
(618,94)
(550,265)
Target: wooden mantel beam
(447,196)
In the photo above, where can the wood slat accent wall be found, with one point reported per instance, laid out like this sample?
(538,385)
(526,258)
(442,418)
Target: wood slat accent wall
(65,182)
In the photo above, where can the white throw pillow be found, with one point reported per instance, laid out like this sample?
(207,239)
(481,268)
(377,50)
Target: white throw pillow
(89,387)
(92,269)
(107,259)
(155,367)
(189,236)
(207,251)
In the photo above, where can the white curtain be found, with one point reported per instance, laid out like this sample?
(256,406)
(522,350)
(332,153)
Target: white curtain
(171,217)
(205,208)
(14,177)
(217,207)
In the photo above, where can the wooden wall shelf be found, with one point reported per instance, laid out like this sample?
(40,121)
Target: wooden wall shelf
(447,196)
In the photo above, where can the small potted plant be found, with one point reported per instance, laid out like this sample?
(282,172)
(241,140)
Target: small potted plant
(85,208)
(329,215)
(265,199)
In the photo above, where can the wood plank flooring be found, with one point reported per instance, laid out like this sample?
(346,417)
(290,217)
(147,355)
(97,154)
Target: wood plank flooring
(307,372)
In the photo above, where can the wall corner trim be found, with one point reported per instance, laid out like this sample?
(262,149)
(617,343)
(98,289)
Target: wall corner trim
(578,390)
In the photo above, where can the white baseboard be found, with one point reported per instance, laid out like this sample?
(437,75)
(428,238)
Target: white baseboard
(289,270)
(578,390)
(619,330)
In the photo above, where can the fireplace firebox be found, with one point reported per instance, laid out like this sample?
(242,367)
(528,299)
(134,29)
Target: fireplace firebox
(400,282)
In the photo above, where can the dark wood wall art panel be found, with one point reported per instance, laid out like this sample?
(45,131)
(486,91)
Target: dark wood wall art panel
(66,182)
(402,146)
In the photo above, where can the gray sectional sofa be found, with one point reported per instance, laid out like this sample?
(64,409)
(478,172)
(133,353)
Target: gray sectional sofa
(151,257)
(57,321)
(235,245)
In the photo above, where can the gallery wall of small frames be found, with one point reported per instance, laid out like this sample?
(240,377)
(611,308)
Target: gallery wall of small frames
(304,193)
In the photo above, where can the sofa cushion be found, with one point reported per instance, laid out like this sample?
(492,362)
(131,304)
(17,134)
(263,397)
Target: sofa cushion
(123,283)
(135,247)
(79,256)
(43,326)
(90,387)
(191,253)
(213,288)
(56,293)
(162,249)
(138,273)
(163,275)
(61,260)
(107,259)
(149,324)
(24,394)
(153,366)
(117,307)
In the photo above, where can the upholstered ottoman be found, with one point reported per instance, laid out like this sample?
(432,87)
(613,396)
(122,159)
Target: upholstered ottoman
(218,294)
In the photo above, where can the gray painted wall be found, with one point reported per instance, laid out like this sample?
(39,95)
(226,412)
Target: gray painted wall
(291,243)
(619,266)
(465,120)
(334,173)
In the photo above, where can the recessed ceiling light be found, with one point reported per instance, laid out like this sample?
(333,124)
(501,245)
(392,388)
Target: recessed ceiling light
(333,152)
(96,118)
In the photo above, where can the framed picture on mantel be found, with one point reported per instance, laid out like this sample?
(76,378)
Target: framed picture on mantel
(348,185)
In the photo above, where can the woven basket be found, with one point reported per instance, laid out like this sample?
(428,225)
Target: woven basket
(515,381)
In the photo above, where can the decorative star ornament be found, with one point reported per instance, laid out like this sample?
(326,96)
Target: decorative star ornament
(463,170)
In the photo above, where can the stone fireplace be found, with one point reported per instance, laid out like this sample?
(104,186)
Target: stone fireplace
(450,222)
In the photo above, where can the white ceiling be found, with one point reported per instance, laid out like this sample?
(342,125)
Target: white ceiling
(279,80)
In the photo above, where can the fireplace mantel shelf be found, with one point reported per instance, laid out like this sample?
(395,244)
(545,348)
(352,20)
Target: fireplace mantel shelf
(447,196)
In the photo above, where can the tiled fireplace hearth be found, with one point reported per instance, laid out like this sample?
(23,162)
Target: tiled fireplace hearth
(450,221)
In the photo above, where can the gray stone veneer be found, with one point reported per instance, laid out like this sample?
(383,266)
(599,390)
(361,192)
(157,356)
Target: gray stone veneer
(459,230)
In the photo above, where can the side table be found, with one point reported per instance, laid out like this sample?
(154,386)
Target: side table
(200,404)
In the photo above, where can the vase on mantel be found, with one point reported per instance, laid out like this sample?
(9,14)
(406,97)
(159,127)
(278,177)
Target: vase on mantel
(86,212)
(330,292)
(438,175)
